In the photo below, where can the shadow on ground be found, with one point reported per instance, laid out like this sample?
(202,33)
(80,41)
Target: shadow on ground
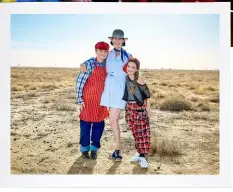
(82,166)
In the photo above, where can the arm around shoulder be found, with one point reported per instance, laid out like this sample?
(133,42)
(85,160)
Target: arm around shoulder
(86,66)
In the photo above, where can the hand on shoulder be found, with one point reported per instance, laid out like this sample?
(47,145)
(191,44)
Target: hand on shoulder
(83,68)
(141,80)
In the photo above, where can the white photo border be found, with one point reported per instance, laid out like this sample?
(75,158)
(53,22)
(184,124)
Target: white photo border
(221,180)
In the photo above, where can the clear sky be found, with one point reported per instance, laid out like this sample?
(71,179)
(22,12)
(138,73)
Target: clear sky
(160,40)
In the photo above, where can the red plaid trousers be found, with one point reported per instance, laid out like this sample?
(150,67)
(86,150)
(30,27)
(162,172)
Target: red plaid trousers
(138,121)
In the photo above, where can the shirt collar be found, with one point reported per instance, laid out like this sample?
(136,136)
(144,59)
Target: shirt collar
(99,63)
(116,50)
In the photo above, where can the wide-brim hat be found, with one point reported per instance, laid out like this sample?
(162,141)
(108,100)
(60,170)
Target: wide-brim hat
(118,33)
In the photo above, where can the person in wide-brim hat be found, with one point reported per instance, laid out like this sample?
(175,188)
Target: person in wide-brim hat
(118,34)
(114,86)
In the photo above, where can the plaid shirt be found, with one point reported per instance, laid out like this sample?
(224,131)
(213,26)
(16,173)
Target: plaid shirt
(83,76)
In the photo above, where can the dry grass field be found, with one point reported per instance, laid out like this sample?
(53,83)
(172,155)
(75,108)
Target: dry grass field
(45,127)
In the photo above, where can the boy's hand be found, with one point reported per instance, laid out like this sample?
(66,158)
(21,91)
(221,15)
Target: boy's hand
(83,68)
(79,109)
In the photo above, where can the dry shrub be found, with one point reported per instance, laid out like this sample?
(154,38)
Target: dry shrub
(153,91)
(159,95)
(23,87)
(203,106)
(153,103)
(210,88)
(49,86)
(29,95)
(171,85)
(201,116)
(32,94)
(26,86)
(187,115)
(205,90)
(14,76)
(163,84)
(43,78)
(165,147)
(201,91)
(50,99)
(66,107)
(72,96)
(194,99)
(184,84)
(193,87)
(17,96)
(17,88)
(32,87)
(175,103)
(214,99)
(20,84)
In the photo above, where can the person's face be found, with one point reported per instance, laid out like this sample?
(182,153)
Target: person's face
(117,42)
(101,54)
(131,68)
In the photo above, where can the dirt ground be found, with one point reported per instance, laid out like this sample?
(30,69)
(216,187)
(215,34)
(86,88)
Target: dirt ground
(45,128)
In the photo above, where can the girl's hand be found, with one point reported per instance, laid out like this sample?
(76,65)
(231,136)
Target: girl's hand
(148,108)
(149,113)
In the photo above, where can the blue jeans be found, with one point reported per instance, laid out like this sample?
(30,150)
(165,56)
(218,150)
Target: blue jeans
(90,132)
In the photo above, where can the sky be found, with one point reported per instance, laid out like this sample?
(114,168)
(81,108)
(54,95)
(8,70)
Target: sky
(185,41)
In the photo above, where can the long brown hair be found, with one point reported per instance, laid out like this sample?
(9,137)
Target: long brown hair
(136,74)
(137,63)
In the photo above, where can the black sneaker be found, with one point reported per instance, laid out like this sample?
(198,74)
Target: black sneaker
(93,155)
(116,156)
(85,155)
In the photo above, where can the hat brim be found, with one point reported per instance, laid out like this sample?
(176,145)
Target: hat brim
(125,38)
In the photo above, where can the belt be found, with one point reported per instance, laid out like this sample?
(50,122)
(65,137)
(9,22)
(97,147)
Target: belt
(140,110)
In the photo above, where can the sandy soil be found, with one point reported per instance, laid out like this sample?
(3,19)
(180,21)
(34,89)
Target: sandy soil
(45,139)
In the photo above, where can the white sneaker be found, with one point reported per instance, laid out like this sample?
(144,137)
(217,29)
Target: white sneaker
(143,162)
(135,158)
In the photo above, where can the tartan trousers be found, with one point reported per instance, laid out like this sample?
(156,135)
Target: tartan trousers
(138,121)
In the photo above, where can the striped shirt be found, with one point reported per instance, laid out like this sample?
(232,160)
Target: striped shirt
(83,76)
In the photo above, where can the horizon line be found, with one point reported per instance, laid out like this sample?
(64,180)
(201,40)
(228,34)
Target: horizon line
(57,67)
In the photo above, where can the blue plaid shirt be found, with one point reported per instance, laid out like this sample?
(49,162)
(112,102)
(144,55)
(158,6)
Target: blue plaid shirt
(83,76)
